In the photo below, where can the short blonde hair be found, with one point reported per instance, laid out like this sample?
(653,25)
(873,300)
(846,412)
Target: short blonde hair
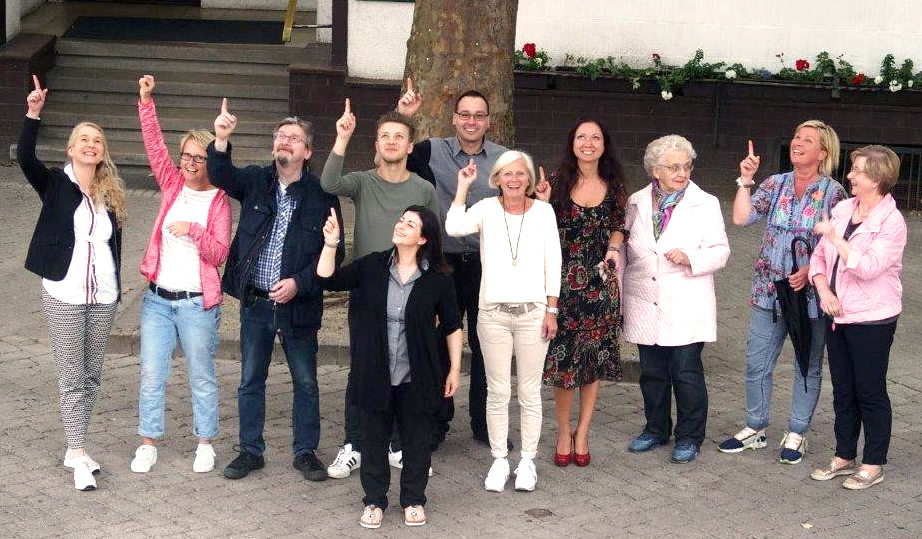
(829,140)
(656,149)
(512,156)
(201,136)
(881,164)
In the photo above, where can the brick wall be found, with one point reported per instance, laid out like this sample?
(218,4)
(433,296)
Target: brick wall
(717,118)
(24,55)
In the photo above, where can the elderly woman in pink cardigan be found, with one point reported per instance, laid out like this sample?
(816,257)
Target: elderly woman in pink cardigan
(189,241)
(677,241)
(856,270)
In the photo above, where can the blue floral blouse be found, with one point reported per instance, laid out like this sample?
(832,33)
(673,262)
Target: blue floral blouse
(787,218)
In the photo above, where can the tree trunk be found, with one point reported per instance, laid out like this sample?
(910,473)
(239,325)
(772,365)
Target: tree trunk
(456,46)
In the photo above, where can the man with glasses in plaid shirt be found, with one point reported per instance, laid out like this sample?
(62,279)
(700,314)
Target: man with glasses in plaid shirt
(271,270)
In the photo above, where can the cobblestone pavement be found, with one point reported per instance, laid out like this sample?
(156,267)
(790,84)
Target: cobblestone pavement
(618,495)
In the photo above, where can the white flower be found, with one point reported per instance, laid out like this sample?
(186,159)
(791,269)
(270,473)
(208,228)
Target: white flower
(666,95)
(909,83)
(895,86)
(878,79)
(730,74)
(539,60)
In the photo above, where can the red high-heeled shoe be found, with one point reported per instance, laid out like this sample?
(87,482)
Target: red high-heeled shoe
(563,460)
(578,459)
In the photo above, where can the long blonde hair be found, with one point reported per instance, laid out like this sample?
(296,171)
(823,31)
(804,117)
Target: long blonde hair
(107,187)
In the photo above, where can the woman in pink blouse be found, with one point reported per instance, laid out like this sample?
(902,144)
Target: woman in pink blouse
(190,239)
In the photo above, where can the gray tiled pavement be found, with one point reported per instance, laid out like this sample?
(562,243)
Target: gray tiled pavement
(618,495)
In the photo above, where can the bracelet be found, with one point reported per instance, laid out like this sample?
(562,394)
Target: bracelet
(552,310)
(739,182)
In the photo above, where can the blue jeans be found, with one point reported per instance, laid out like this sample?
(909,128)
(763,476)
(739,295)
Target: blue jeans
(163,320)
(257,339)
(764,344)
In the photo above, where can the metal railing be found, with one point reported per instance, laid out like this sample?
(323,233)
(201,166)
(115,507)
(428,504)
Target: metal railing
(290,22)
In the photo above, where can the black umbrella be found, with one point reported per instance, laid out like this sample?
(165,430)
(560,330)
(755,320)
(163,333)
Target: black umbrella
(794,310)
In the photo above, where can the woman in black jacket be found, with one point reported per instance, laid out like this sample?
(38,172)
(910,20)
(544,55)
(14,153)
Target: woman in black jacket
(402,293)
(76,249)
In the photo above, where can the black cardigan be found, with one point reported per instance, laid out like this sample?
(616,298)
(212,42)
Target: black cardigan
(432,295)
(52,245)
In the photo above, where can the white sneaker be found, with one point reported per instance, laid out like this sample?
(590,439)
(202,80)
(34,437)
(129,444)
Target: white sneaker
(204,458)
(83,476)
(144,457)
(497,476)
(526,477)
(395,458)
(346,461)
(70,459)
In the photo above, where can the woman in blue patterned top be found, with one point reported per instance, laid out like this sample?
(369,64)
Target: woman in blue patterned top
(792,203)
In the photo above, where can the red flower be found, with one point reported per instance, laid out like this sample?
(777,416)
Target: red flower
(802,65)
(530,50)
(859,78)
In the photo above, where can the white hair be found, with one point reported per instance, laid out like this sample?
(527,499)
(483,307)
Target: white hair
(658,147)
(508,157)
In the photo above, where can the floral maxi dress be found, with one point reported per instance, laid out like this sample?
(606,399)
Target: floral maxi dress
(586,346)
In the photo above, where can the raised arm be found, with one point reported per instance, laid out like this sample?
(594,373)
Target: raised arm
(410,101)
(742,206)
(331,179)
(461,221)
(163,167)
(35,171)
(221,170)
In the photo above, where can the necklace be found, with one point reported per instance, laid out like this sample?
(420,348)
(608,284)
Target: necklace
(514,255)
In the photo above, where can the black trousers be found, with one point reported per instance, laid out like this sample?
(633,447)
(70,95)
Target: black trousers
(414,428)
(668,369)
(859,355)
(466,273)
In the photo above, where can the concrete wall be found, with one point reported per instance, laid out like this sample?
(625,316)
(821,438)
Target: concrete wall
(748,32)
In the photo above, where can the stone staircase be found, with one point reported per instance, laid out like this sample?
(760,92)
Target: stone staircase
(98,81)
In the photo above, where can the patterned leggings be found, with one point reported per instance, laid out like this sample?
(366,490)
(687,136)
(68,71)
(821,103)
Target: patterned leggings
(79,336)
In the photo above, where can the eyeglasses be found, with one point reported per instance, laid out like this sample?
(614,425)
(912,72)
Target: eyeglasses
(675,169)
(291,139)
(186,156)
(857,170)
(479,116)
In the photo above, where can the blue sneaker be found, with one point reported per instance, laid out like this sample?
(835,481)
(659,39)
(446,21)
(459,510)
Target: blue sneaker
(685,451)
(644,442)
(793,447)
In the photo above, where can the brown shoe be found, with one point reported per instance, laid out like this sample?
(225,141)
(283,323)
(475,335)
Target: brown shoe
(827,473)
(371,517)
(863,479)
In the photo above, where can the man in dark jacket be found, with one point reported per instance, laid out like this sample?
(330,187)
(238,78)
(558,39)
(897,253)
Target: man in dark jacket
(271,269)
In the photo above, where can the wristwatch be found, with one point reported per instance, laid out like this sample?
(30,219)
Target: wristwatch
(552,310)
(739,182)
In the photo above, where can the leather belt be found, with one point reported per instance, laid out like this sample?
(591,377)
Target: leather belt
(172,296)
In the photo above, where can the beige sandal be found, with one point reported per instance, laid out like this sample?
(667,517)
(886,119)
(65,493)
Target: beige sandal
(824,474)
(414,515)
(371,517)
(863,479)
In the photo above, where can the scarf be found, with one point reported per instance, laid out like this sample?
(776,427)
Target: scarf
(663,204)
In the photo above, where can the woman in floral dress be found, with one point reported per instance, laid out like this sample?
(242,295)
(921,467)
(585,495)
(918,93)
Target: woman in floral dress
(792,203)
(588,196)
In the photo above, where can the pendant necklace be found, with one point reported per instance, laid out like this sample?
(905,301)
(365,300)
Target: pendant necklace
(514,255)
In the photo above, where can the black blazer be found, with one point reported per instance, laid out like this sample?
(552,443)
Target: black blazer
(433,294)
(52,245)
(255,187)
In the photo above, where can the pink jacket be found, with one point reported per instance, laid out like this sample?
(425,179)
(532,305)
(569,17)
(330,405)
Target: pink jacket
(868,285)
(213,241)
(665,303)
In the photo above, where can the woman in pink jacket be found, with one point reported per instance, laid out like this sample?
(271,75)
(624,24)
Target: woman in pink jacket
(676,243)
(189,241)
(856,271)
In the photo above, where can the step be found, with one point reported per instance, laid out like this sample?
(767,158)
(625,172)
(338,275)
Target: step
(52,152)
(113,134)
(278,107)
(155,66)
(126,117)
(205,52)
(175,83)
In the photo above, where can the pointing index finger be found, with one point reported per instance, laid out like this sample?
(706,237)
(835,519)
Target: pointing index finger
(38,85)
(541,173)
(752,152)
(409,84)
(224,106)
(348,107)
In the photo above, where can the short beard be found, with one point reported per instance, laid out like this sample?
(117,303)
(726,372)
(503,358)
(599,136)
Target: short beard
(282,161)
(391,161)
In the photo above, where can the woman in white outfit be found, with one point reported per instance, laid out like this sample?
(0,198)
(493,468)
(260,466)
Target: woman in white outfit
(520,283)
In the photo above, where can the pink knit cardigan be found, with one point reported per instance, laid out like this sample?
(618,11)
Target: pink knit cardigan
(212,240)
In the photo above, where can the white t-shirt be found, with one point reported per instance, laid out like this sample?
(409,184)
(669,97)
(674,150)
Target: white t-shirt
(536,272)
(179,259)
(91,275)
